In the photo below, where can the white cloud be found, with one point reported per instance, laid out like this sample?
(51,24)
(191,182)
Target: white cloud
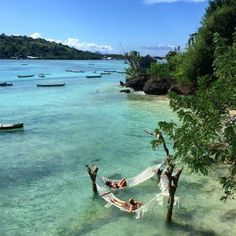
(76,43)
(36,35)
(159,47)
(170,1)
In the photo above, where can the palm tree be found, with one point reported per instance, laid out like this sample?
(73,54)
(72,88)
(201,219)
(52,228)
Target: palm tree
(133,58)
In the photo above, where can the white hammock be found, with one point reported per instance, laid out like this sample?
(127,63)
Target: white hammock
(111,199)
(138,179)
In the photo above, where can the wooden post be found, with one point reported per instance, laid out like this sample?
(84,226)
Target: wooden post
(93,174)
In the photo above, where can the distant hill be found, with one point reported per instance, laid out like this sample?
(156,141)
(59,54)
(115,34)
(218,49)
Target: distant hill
(22,47)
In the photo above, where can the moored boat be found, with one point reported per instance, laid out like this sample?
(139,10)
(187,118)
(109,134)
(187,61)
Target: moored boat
(110,71)
(105,73)
(51,85)
(121,72)
(11,126)
(75,71)
(24,76)
(93,76)
(5,84)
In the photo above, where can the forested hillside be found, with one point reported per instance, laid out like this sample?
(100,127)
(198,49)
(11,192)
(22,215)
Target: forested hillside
(23,46)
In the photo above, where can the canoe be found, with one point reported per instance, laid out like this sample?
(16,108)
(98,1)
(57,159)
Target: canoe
(5,84)
(75,71)
(24,76)
(110,71)
(105,73)
(51,85)
(93,76)
(121,72)
(11,126)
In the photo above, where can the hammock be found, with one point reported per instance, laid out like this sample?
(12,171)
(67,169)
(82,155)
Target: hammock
(138,179)
(111,199)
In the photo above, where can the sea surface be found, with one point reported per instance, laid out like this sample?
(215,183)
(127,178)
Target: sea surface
(44,186)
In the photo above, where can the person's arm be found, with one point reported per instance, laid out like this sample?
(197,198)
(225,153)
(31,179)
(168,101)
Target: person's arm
(131,208)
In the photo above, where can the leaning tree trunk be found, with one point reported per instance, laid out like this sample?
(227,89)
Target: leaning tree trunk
(173,182)
(172,179)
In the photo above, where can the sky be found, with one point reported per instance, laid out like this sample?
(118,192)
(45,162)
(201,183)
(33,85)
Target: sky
(109,26)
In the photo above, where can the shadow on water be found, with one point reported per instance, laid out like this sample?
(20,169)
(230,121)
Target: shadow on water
(15,131)
(229,216)
(190,229)
(90,221)
(19,176)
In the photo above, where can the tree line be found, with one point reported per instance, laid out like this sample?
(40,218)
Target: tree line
(23,46)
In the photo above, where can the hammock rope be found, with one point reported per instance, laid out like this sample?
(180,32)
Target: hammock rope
(112,200)
(138,179)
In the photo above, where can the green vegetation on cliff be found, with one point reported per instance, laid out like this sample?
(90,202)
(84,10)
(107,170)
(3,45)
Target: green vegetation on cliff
(23,46)
(205,137)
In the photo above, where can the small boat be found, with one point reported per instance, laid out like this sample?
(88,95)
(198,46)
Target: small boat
(24,76)
(75,71)
(105,73)
(41,75)
(121,72)
(91,64)
(93,76)
(51,85)
(110,71)
(5,84)
(11,126)
(24,64)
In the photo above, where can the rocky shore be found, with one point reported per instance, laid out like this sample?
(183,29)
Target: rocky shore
(153,86)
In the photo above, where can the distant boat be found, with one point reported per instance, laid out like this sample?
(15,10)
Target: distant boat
(24,76)
(75,71)
(51,85)
(93,76)
(11,126)
(24,64)
(105,73)
(121,72)
(41,75)
(110,71)
(5,84)
(91,64)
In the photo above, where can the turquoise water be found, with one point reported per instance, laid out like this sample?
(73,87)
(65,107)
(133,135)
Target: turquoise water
(44,187)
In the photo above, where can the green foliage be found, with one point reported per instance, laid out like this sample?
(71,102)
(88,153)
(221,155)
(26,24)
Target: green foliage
(134,70)
(22,46)
(197,61)
(174,59)
(159,70)
(205,136)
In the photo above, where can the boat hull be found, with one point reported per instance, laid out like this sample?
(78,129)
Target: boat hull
(5,84)
(93,76)
(5,127)
(24,76)
(51,85)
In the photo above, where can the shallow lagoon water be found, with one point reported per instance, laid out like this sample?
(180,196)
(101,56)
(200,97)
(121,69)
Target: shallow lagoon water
(44,187)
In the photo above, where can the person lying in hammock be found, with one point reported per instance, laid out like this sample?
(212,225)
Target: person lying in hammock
(131,205)
(121,184)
